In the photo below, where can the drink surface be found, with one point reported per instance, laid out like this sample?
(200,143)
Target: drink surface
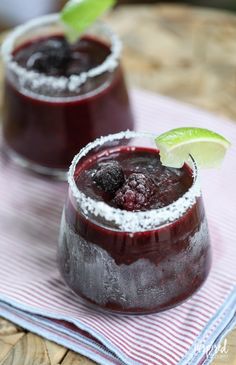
(55,57)
(134,272)
(49,129)
(167,184)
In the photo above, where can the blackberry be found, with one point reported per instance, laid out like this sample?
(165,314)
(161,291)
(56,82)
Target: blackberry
(51,57)
(137,193)
(109,176)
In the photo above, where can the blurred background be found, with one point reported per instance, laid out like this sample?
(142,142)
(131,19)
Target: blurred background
(190,54)
(13,12)
(227,4)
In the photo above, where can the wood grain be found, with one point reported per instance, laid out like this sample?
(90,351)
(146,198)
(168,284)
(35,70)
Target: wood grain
(184,52)
(74,359)
(7,328)
(29,348)
(55,352)
(228,358)
(7,343)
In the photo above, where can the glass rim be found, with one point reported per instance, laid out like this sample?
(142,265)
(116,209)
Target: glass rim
(132,221)
(71,83)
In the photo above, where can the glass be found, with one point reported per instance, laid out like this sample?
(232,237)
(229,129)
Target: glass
(47,119)
(133,262)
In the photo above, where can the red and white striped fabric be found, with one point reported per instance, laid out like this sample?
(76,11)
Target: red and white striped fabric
(33,295)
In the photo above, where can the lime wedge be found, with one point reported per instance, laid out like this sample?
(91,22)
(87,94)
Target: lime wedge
(78,15)
(207,148)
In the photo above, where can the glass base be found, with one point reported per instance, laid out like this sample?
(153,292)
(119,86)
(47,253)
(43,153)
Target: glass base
(104,310)
(93,274)
(58,174)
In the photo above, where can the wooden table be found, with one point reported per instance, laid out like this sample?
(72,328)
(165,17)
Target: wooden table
(187,53)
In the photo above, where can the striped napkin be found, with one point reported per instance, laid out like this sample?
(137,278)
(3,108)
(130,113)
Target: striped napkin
(33,295)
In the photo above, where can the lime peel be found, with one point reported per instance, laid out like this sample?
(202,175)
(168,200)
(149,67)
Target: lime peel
(205,146)
(79,15)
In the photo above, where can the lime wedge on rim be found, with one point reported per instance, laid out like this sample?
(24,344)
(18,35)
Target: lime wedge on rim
(78,15)
(206,147)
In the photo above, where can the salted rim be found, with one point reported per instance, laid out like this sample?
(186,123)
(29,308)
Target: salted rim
(71,83)
(132,221)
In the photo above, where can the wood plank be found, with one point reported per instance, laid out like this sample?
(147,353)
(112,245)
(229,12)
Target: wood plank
(7,343)
(75,359)
(185,52)
(30,350)
(56,353)
(227,357)
(7,328)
